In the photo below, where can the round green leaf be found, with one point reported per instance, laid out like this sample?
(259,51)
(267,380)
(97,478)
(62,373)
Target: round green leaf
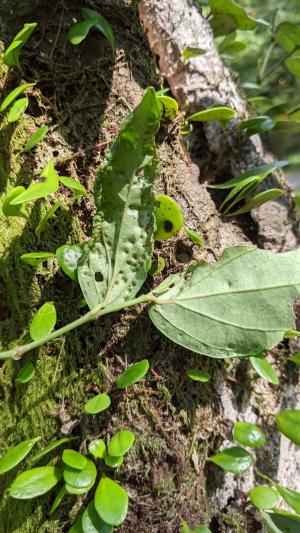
(35,258)
(35,138)
(35,482)
(81,479)
(264,497)
(74,459)
(111,502)
(121,443)
(14,210)
(133,374)
(114,462)
(92,523)
(16,454)
(197,375)
(97,404)
(169,217)
(68,256)
(98,448)
(235,460)
(43,321)
(264,369)
(288,423)
(26,373)
(72,184)
(17,109)
(249,435)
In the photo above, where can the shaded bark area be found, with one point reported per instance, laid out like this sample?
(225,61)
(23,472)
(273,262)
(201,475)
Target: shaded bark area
(177,423)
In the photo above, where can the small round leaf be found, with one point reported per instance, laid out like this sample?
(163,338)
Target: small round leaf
(264,497)
(235,460)
(111,502)
(26,373)
(197,375)
(98,448)
(43,321)
(249,435)
(133,374)
(74,459)
(121,443)
(35,482)
(81,479)
(97,404)
(114,462)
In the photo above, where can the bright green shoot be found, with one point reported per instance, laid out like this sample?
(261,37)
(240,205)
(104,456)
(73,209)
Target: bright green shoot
(11,57)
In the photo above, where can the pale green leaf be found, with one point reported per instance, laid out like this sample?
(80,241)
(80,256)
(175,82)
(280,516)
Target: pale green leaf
(97,404)
(51,447)
(288,35)
(14,210)
(291,497)
(42,224)
(113,462)
(97,448)
(168,107)
(264,497)
(133,374)
(81,479)
(74,185)
(74,459)
(239,306)
(293,63)
(258,200)
(229,16)
(68,256)
(35,258)
(190,52)
(281,521)
(248,435)
(295,358)
(43,321)
(114,265)
(121,443)
(221,113)
(198,375)
(58,498)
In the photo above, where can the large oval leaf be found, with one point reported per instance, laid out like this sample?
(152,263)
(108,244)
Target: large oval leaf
(111,502)
(35,482)
(239,306)
(16,454)
(81,479)
(288,423)
(43,321)
(92,523)
(235,460)
(114,266)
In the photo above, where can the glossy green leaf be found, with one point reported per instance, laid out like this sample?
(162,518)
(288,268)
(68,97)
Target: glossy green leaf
(264,497)
(43,321)
(35,258)
(42,189)
(68,256)
(288,423)
(291,497)
(78,491)
(133,374)
(26,373)
(258,200)
(190,52)
(195,238)
(51,447)
(74,459)
(287,35)
(35,138)
(168,107)
(169,217)
(101,24)
(264,369)
(42,224)
(98,448)
(239,306)
(121,443)
(295,358)
(16,454)
(115,264)
(293,63)
(221,113)
(97,404)
(92,523)
(114,462)
(111,502)
(12,54)
(58,498)
(79,31)
(80,479)
(14,94)
(281,521)
(35,482)
(235,460)
(197,375)
(17,109)
(249,435)
(14,210)
(73,185)
(229,16)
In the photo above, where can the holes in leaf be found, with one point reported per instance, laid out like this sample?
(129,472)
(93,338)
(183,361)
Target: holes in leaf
(98,277)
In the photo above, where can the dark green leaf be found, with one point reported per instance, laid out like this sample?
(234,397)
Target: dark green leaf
(97,404)
(111,502)
(133,374)
(264,369)
(74,459)
(288,35)
(197,375)
(264,497)
(51,447)
(74,185)
(295,358)
(293,63)
(68,256)
(12,54)
(42,224)
(235,460)
(92,523)
(98,448)
(113,462)
(239,306)
(157,266)
(258,200)
(14,94)
(35,258)
(281,522)
(80,479)
(220,113)
(257,124)
(169,217)
(229,16)
(58,498)
(16,454)
(35,482)
(79,31)
(291,497)
(17,109)
(14,210)
(100,23)
(249,435)
(115,265)
(26,373)
(121,443)
(43,321)
(288,423)
(35,138)
(42,189)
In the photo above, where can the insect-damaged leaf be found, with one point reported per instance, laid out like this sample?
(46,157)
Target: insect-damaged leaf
(239,306)
(115,264)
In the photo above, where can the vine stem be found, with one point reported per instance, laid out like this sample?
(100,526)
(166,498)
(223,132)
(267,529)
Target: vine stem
(17,352)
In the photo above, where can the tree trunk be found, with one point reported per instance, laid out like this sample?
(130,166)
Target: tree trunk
(177,423)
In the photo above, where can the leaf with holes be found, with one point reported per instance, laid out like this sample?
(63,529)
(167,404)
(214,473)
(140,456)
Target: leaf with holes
(239,306)
(115,264)
(68,256)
